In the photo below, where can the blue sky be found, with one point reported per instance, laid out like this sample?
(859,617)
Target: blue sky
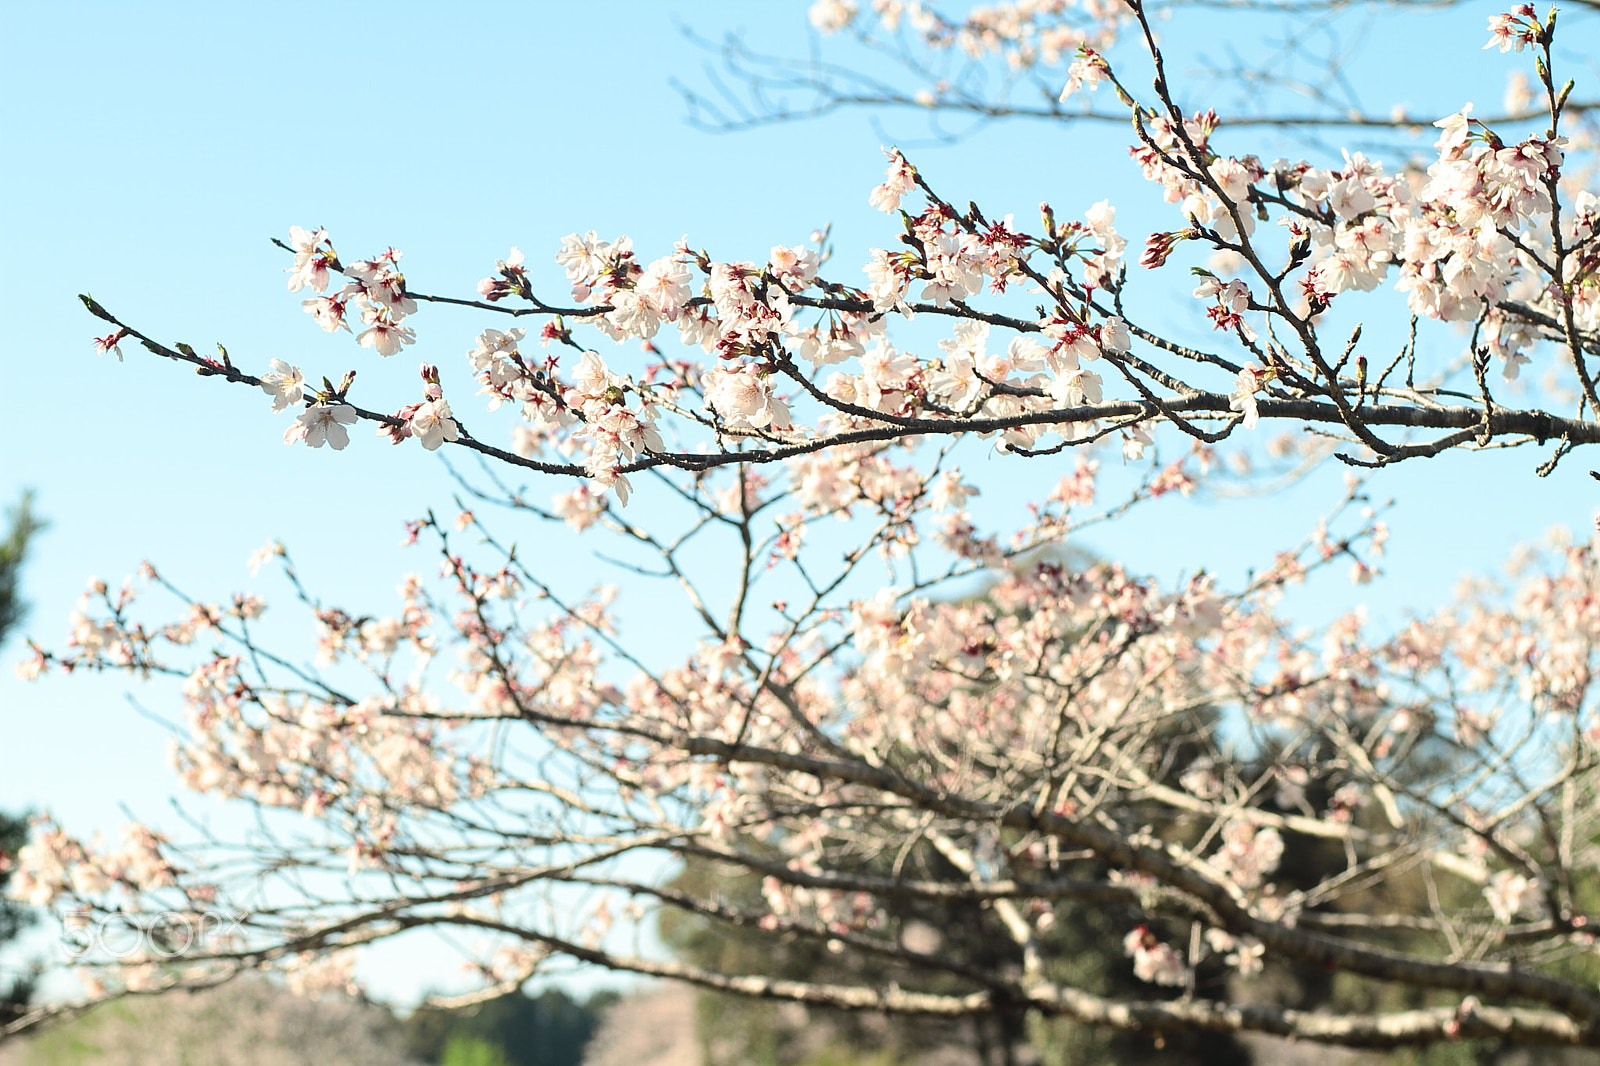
(154,149)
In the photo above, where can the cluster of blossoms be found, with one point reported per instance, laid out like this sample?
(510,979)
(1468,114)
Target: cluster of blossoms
(1153,960)
(642,299)
(1512,895)
(1249,854)
(53,864)
(1468,242)
(375,293)
(745,315)
(1457,242)
(1090,68)
(429,420)
(864,719)
(1454,241)
(1025,33)
(1515,29)
(306,754)
(616,433)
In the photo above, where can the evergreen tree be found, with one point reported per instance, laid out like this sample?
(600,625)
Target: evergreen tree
(24,524)
(14,992)
(516,1029)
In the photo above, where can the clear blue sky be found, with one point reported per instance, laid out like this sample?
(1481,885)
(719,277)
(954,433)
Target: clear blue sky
(153,149)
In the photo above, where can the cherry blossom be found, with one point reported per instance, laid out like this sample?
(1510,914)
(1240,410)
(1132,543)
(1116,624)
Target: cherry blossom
(1089,69)
(1513,895)
(512,278)
(329,311)
(383,333)
(898,180)
(1153,960)
(831,16)
(311,261)
(110,343)
(284,383)
(744,397)
(1251,379)
(323,424)
(1514,29)
(431,423)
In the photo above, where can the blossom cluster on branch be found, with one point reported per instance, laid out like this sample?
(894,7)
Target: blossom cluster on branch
(1487,238)
(1060,740)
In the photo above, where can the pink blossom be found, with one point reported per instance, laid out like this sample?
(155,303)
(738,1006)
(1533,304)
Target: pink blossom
(1114,335)
(323,424)
(310,263)
(513,278)
(1251,378)
(433,425)
(585,258)
(580,508)
(888,274)
(382,335)
(328,311)
(593,378)
(1455,129)
(795,267)
(384,285)
(1513,895)
(1514,29)
(1153,960)
(284,384)
(898,180)
(259,557)
(744,398)
(831,16)
(110,342)
(1249,854)
(665,284)
(1090,68)
(1243,954)
(1135,439)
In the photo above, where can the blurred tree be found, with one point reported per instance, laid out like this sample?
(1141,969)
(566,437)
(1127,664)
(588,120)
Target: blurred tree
(473,1051)
(550,1029)
(15,991)
(24,525)
(244,1023)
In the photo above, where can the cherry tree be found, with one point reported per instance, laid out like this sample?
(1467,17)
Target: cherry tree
(898,703)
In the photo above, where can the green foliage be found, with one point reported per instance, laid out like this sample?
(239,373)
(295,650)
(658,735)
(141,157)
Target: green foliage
(75,1042)
(473,1051)
(16,992)
(24,524)
(13,834)
(550,1029)
(836,1055)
